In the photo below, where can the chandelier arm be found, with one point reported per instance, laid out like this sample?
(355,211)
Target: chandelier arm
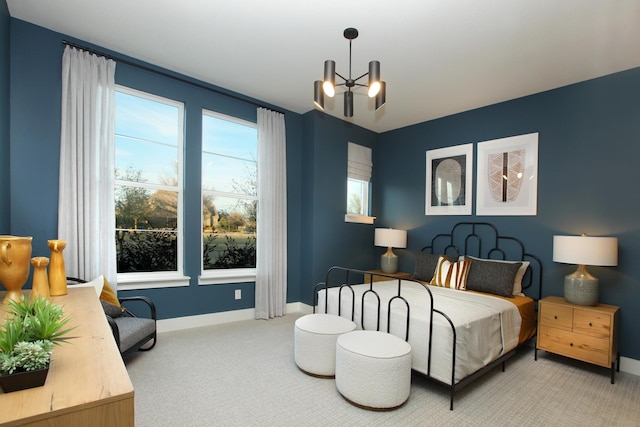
(365,74)
(339,75)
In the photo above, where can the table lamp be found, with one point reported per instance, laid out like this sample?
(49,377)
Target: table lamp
(390,238)
(581,288)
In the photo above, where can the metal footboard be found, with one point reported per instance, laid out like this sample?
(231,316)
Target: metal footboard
(344,278)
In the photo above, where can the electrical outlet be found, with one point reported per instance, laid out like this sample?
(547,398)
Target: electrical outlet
(238,293)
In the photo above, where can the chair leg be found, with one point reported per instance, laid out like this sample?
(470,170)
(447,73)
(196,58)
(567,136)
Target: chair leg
(155,339)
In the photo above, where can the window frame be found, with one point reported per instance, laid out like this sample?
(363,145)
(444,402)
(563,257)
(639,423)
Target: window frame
(231,275)
(161,279)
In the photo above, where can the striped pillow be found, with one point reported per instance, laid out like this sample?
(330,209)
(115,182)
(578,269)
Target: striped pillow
(451,274)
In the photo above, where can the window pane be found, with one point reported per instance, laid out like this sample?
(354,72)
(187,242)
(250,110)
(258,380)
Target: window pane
(146,250)
(229,233)
(356,197)
(156,163)
(146,119)
(227,174)
(146,229)
(229,138)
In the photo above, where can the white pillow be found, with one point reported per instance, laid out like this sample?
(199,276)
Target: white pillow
(517,281)
(96,283)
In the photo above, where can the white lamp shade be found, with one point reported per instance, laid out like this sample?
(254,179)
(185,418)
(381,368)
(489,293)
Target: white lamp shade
(391,238)
(585,250)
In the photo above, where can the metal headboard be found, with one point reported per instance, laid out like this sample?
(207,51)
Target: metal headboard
(482,240)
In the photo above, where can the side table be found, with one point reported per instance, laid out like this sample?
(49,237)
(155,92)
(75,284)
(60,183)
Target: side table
(398,275)
(586,333)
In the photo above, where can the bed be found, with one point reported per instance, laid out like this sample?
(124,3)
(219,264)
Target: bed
(471,302)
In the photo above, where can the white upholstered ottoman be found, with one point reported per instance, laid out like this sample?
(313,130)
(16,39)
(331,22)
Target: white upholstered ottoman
(373,369)
(315,342)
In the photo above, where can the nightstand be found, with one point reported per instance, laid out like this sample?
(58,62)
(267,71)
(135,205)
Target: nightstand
(586,333)
(398,275)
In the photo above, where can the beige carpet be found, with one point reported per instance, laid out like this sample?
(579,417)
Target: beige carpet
(243,374)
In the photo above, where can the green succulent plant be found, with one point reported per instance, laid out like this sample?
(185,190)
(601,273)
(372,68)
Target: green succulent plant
(29,333)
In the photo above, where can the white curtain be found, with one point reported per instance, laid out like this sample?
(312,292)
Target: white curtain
(271,262)
(86,207)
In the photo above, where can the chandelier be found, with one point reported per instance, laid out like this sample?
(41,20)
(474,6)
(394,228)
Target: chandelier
(375,87)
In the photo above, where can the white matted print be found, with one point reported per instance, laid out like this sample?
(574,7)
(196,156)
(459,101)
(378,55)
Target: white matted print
(507,180)
(449,180)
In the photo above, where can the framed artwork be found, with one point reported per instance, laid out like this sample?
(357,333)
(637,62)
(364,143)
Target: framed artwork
(507,176)
(449,180)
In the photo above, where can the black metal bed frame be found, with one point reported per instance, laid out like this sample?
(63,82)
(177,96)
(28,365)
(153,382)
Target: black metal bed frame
(499,248)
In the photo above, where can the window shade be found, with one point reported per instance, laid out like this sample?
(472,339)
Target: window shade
(359,165)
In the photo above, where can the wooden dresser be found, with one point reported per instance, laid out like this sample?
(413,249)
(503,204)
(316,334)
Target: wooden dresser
(87,384)
(581,332)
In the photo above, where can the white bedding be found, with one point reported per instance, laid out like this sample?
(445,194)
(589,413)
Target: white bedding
(486,327)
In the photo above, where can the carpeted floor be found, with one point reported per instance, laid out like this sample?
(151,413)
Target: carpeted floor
(243,374)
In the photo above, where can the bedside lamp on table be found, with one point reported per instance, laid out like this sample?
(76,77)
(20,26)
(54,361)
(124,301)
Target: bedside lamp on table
(390,238)
(582,288)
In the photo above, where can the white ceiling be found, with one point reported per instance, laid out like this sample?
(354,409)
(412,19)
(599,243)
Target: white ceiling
(438,57)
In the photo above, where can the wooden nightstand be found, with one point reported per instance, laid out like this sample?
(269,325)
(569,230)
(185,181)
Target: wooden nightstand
(581,332)
(399,275)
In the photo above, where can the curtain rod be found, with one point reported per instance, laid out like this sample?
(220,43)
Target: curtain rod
(162,73)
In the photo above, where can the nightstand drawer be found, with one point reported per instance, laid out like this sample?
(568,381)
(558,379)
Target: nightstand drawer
(589,323)
(582,347)
(556,316)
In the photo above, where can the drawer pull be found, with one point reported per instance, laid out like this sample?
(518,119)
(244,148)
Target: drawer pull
(571,344)
(555,317)
(590,324)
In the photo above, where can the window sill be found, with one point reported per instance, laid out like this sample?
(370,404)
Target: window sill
(360,219)
(220,277)
(135,281)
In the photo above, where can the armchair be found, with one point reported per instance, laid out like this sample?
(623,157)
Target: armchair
(130,331)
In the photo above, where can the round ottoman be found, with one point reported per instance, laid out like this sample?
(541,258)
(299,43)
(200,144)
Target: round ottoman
(315,342)
(373,369)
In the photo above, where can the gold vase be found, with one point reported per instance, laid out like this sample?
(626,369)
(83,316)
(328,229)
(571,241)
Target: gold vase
(40,284)
(15,253)
(57,273)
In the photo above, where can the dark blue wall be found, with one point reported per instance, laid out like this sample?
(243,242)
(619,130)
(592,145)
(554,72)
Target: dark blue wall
(4,117)
(327,239)
(589,146)
(36,55)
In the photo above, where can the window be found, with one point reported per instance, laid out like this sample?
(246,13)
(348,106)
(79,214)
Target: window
(148,186)
(358,176)
(229,198)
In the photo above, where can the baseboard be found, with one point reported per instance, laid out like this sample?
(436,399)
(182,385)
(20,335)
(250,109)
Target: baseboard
(300,307)
(187,322)
(628,365)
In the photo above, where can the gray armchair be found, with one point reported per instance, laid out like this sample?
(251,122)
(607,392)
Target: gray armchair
(130,331)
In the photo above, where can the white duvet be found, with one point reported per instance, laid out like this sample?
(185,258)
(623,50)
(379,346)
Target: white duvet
(486,327)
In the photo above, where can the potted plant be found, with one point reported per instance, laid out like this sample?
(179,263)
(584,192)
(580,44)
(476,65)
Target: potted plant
(27,337)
